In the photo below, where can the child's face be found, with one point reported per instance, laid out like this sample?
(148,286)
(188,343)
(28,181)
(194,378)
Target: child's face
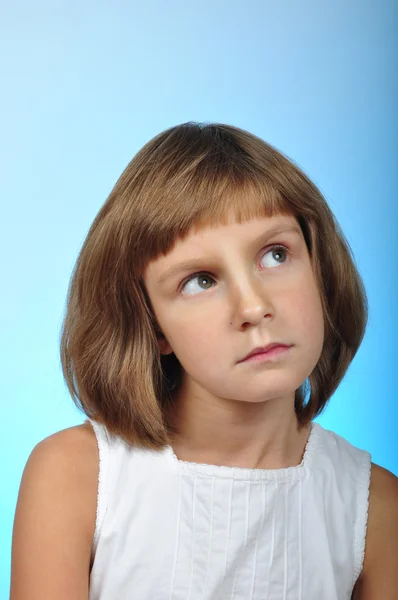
(246,295)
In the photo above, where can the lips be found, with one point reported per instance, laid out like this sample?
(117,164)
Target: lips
(263,349)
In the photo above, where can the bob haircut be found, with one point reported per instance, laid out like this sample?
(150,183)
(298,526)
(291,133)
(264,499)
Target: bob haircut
(190,176)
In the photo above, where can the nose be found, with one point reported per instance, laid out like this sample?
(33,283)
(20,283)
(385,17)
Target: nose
(251,303)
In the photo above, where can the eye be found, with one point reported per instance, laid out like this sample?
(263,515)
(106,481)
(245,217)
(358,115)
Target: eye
(278,251)
(205,280)
(189,288)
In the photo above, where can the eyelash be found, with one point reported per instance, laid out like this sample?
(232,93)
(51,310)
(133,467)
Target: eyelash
(266,250)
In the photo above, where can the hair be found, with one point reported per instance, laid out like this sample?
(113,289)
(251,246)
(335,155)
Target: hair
(190,176)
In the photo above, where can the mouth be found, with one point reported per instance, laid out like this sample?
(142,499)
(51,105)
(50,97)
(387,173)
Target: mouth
(263,352)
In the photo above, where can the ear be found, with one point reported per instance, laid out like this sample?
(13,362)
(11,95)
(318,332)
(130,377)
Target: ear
(164,345)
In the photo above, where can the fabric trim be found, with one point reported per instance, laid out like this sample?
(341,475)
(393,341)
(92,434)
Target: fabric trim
(360,526)
(102,495)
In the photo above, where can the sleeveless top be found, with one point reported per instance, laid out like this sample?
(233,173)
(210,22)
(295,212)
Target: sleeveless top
(167,529)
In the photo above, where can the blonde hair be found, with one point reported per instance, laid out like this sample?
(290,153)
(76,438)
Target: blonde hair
(191,176)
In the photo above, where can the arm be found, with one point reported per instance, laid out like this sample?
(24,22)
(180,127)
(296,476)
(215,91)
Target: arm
(55,518)
(379,577)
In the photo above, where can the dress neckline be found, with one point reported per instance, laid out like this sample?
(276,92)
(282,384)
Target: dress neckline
(250,474)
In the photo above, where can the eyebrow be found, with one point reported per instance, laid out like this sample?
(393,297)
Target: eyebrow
(196,263)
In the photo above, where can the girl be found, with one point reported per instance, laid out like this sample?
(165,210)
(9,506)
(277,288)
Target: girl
(213,311)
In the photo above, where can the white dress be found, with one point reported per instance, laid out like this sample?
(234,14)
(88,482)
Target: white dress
(173,530)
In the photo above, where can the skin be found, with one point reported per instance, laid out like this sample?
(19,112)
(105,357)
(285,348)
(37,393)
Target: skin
(228,412)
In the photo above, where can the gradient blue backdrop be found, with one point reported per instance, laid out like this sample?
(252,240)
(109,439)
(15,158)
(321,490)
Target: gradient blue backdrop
(85,85)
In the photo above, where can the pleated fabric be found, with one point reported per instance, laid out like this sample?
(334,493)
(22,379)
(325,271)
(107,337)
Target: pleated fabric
(173,530)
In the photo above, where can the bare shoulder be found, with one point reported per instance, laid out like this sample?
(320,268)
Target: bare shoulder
(379,577)
(383,512)
(55,517)
(78,440)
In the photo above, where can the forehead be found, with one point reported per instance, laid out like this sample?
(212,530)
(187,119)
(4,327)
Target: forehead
(204,238)
(234,229)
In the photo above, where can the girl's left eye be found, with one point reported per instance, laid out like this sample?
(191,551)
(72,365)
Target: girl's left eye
(277,250)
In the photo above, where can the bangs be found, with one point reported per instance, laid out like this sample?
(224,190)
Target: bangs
(212,193)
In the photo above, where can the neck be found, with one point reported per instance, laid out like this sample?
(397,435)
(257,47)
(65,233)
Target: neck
(219,431)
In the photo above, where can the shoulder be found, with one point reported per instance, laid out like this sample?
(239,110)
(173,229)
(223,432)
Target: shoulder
(383,509)
(55,514)
(83,433)
(382,483)
(63,468)
(68,443)
(69,456)
(379,577)
(67,461)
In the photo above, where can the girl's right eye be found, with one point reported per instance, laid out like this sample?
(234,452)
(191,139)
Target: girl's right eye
(188,285)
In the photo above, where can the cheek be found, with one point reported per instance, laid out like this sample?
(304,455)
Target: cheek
(300,301)
(306,306)
(194,338)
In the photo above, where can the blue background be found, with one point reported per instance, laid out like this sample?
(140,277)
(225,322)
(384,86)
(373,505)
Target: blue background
(85,85)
